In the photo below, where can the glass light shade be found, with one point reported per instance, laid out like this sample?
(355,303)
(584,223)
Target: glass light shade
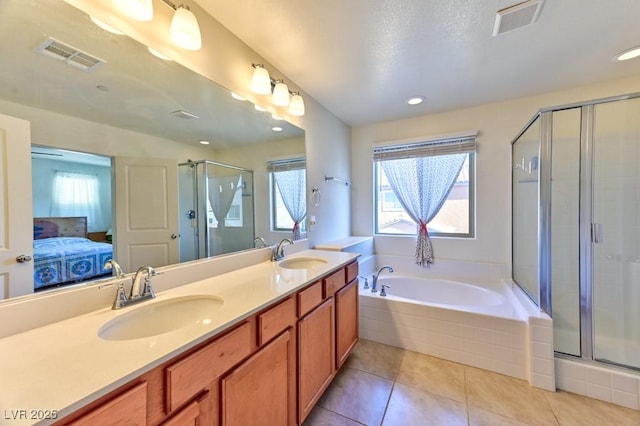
(280,94)
(296,106)
(261,82)
(185,31)
(158,55)
(141,10)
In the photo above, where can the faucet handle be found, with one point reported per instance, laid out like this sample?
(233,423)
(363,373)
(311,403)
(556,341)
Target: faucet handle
(121,297)
(383,293)
(366,282)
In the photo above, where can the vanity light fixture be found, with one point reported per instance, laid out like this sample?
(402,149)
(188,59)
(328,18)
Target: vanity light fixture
(235,96)
(296,106)
(185,31)
(259,108)
(280,95)
(140,10)
(260,81)
(276,117)
(632,53)
(262,84)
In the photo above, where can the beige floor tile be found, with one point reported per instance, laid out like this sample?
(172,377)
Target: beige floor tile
(323,417)
(480,417)
(578,410)
(432,374)
(376,358)
(358,395)
(508,397)
(410,406)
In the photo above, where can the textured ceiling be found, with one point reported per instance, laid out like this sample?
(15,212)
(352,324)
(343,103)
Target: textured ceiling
(362,59)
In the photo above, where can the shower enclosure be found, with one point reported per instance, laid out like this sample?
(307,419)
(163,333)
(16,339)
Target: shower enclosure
(576,225)
(216,209)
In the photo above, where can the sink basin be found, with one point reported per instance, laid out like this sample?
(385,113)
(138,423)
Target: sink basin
(302,263)
(161,317)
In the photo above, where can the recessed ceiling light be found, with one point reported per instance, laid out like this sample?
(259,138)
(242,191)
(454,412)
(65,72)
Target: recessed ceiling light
(634,52)
(234,95)
(158,55)
(259,108)
(205,142)
(276,128)
(415,100)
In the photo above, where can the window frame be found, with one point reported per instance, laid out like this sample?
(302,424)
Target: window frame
(472,195)
(280,166)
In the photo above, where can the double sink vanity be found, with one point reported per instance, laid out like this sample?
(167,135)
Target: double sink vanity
(257,345)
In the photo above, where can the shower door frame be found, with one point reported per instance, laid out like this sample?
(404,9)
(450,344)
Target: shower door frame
(586,225)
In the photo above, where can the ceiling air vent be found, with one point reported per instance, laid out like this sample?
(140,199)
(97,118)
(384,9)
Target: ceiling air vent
(517,16)
(69,55)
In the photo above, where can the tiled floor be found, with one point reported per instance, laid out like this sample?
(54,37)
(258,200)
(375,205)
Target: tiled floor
(384,385)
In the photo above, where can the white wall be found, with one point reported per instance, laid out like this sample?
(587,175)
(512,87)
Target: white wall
(498,123)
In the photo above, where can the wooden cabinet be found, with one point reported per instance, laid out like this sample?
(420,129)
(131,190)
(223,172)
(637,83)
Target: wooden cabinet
(316,356)
(127,408)
(259,392)
(270,369)
(346,321)
(189,376)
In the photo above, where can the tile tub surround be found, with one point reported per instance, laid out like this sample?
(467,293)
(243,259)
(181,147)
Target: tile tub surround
(519,345)
(408,388)
(70,366)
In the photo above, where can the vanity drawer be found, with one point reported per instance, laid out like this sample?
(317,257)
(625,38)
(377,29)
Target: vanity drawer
(130,407)
(187,377)
(352,271)
(275,320)
(309,298)
(334,282)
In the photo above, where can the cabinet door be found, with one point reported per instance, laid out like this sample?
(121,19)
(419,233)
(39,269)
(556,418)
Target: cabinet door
(189,415)
(316,356)
(259,392)
(346,321)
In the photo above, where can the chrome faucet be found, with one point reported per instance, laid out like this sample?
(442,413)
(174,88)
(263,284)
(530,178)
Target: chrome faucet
(374,280)
(259,240)
(140,290)
(278,251)
(116,270)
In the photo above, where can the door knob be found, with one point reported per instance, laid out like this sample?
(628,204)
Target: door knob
(23,258)
(174,236)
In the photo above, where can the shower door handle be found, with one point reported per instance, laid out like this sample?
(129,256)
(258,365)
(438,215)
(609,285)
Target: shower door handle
(596,233)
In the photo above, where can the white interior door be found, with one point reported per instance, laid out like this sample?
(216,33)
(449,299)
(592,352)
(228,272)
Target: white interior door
(16,218)
(146,219)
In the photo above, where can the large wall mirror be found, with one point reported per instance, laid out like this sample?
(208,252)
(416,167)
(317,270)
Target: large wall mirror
(102,107)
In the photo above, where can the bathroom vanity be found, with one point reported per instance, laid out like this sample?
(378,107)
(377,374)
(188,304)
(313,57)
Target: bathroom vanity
(276,339)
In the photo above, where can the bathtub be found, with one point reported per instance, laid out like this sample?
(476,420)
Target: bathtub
(460,311)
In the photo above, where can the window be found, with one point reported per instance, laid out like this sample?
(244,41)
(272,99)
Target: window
(227,186)
(77,194)
(445,169)
(287,181)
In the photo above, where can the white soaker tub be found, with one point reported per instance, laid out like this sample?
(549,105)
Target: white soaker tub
(460,311)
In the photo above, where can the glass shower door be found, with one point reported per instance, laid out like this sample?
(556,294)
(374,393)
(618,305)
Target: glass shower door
(616,232)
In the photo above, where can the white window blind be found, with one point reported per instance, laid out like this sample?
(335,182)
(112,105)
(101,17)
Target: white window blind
(449,146)
(286,165)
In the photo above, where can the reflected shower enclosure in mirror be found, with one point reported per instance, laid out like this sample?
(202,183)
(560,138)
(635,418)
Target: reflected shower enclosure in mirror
(131,104)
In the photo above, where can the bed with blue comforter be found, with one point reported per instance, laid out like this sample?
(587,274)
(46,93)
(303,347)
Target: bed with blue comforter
(62,260)
(63,255)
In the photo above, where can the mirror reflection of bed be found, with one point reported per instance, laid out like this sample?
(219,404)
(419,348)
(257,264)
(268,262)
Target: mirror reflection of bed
(64,252)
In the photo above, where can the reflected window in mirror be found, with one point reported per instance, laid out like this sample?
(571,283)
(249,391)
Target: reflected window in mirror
(287,180)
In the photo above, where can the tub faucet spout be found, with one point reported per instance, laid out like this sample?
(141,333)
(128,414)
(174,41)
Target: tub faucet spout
(374,283)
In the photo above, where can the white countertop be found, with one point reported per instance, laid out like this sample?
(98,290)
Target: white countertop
(66,365)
